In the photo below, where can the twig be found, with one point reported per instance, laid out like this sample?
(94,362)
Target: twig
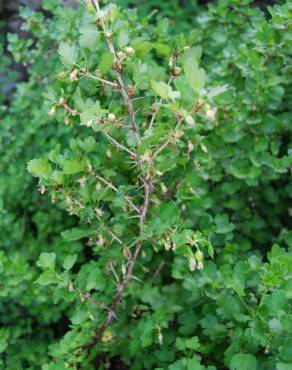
(111,186)
(163,146)
(159,268)
(123,90)
(119,145)
(114,272)
(106,82)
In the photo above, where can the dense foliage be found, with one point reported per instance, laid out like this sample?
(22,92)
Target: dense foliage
(158,237)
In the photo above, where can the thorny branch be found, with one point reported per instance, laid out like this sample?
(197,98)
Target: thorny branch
(147,185)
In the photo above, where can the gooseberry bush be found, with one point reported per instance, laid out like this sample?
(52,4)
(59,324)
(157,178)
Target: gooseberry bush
(167,168)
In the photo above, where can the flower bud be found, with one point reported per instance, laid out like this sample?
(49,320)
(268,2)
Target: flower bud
(190,121)
(146,157)
(200,265)
(131,90)
(121,55)
(167,244)
(111,117)
(199,256)
(204,148)
(176,71)
(62,101)
(190,146)
(82,181)
(160,338)
(73,75)
(178,134)
(108,35)
(129,50)
(42,189)
(109,153)
(192,262)
(164,188)
(62,74)
(211,114)
(52,111)
(106,336)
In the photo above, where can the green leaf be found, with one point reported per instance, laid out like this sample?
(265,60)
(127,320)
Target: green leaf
(193,54)
(79,317)
(161,89)
(196,76)
(89,36)
(163,50)
(88,145)
(70,261)
(47,278)
(106,62)
(193,343)
(286,350)
(4,335)
(284,366)
(223,224)
(131,139)
(46,260)
(217,91)
(210,250)
(77,233)
(68,54)
(243,361)
(72,166)
(39,167)
(123,38)
(180,344)
(90,113)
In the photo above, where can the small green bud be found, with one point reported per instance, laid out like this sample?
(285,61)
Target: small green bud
(199,255)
